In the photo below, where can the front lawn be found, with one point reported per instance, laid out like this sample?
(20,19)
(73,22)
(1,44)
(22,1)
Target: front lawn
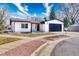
(4,40)
(32,34)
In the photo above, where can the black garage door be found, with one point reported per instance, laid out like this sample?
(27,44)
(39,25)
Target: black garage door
(55,27)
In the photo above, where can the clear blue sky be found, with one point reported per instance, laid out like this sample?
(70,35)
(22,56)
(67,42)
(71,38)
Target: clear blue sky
(28,8)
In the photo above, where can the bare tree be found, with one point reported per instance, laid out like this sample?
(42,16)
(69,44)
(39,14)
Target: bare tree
(71,10)
(3,17)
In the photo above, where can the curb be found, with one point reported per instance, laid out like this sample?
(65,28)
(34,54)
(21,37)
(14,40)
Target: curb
(52,47)
(38,50)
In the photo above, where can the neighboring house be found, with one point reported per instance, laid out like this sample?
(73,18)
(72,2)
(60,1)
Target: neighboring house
(21,25)
(74,27)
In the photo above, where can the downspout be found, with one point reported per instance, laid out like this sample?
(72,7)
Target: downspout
(10,21)
(14,26)
(31,27)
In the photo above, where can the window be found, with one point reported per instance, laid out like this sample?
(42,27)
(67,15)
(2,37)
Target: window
(24,25)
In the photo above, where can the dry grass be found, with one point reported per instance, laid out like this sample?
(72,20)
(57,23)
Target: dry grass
(4,40)
(32,34)
(56,37)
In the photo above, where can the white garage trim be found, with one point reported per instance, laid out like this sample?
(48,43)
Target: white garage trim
(53,22)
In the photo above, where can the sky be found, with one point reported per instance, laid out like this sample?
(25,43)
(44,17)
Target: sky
(30,9)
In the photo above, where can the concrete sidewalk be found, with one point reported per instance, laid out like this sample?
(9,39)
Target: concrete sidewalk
(26,37)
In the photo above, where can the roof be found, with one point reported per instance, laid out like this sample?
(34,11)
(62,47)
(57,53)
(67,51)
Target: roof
(55,19)
(51,20)
(30,20)
(23,20)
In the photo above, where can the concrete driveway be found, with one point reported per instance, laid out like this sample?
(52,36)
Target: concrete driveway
(69,47)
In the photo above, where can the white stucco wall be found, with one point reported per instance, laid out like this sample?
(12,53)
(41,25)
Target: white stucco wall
(18,28)
(52,22)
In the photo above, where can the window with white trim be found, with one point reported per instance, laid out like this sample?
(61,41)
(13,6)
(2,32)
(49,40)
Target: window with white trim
(24,25)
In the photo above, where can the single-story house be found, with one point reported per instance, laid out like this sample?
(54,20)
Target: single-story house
(21,25)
